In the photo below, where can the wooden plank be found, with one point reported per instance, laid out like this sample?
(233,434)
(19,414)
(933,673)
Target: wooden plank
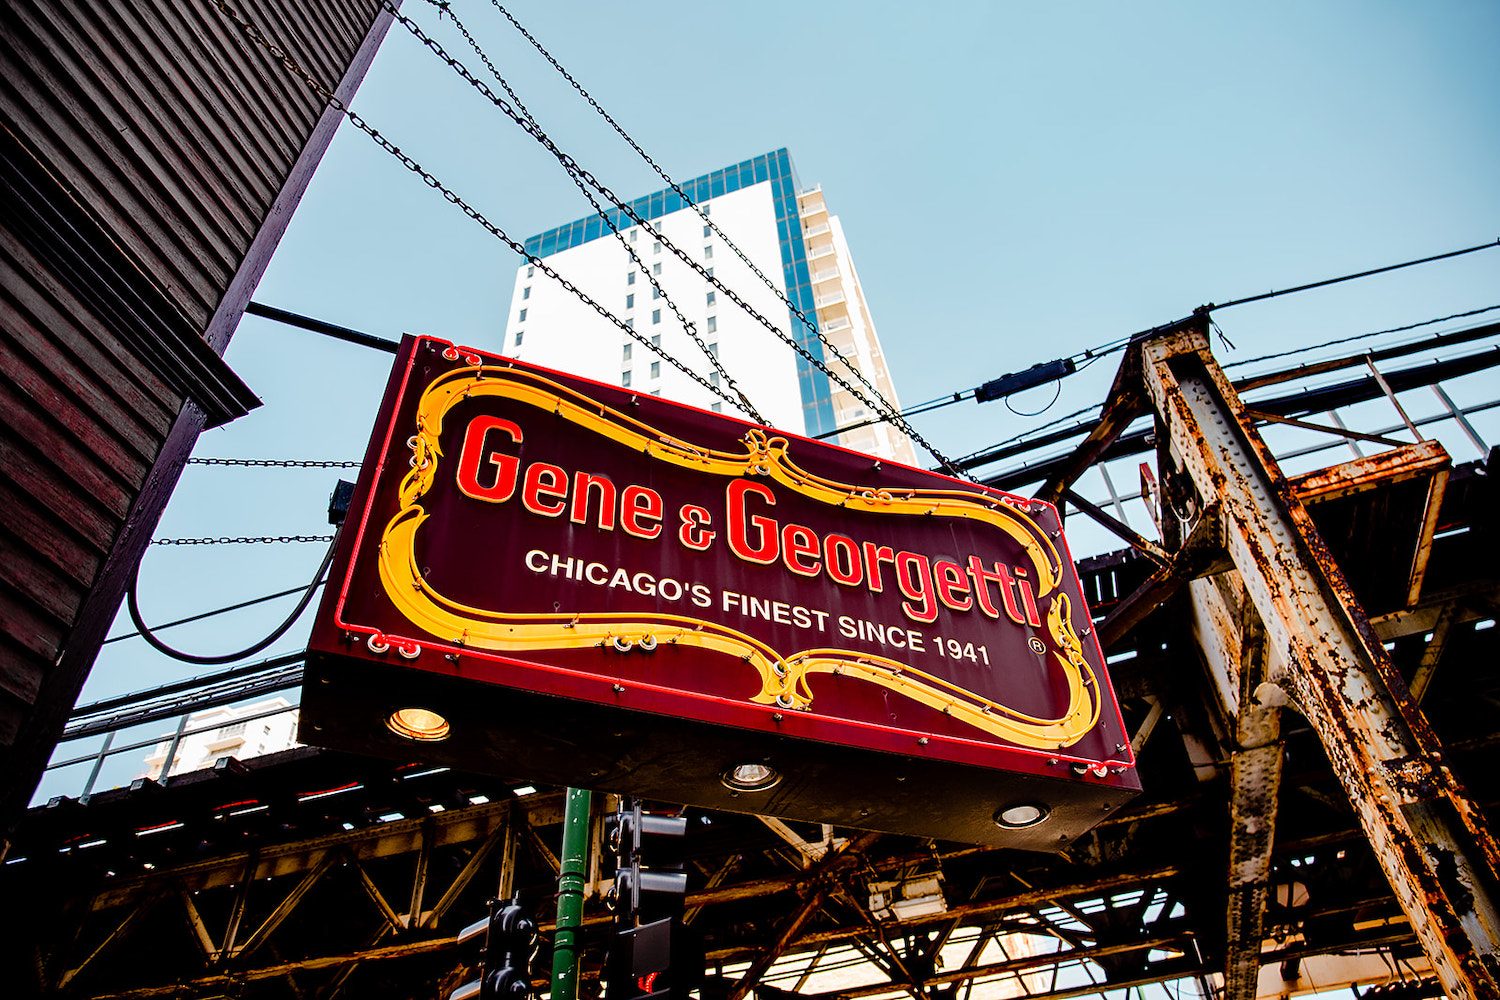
(152,197)
(231,309)
(220,164)
(154,133)
(32,577)
(48,536)
(232,58)
(306,41)
(222,111)
(60,131)
(141,148)
(37,642)
(25,424)
(28,351)
(93,156)
(53,491)
(31,386)
(72,328)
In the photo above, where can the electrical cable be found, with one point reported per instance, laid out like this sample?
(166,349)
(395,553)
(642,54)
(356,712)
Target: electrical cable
(216,611)
(1360,336)
(146,632)
(1210,307)
(1088,357)
(1056,394)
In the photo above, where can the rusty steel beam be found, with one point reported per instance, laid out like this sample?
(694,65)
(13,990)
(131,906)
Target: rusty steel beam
(1429,836)
(1202,554)
(1425,460)
(1432,655)
(1126,402)
(463,878)
(1117,527)
(1470,602)
(1408,461)
(1031,963)
(285,907)
(122,928)
(405,949)
(388,912)
(454,826)
(1307,425)
(195,921)
(786,934)
(1255,780)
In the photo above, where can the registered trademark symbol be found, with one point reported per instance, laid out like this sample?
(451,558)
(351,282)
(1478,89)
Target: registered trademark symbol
(1037,646)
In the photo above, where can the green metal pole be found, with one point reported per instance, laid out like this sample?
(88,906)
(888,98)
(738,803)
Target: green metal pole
(570,881)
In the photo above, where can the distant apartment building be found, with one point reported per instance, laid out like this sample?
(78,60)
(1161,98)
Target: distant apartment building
(786,232)
(240,731)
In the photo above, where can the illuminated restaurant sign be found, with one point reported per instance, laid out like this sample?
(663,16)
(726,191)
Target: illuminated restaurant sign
(557,580)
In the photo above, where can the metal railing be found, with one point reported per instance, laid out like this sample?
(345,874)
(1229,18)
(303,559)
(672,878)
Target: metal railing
(179,700)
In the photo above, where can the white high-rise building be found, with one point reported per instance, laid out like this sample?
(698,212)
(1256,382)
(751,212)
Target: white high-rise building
(786,232)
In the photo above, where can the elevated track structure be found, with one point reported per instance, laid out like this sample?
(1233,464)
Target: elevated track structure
(1307,662)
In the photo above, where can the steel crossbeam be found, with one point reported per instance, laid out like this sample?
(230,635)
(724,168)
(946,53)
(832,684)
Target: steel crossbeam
(1429,836)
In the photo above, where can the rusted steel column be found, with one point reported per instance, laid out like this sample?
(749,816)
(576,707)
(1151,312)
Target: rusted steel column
(1428,835)
(1234,645)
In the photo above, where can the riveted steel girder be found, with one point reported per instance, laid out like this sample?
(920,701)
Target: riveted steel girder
(1429,835)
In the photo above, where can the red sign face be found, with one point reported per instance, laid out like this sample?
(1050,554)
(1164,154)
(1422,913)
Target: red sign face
(521,528)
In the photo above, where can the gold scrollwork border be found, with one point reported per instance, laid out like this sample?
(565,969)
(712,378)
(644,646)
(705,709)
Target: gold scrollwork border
(784,679)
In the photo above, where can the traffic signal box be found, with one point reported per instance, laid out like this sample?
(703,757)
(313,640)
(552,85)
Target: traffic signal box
(509,942)
(652,955)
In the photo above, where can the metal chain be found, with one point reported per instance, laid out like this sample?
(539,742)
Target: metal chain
(279,463)
(809,322)
(257,36)
(689,327)
(226,540)
(573,167)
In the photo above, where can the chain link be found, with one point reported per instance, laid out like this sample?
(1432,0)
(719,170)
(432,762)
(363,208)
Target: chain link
(688,326)
(278,463)
(810,323)
(226,540)
(888,410)
(576,171)
(257,36)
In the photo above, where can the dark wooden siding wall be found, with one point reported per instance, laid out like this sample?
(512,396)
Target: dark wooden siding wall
(150,156)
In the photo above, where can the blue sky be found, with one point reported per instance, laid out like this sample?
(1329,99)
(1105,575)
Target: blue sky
(1018,182)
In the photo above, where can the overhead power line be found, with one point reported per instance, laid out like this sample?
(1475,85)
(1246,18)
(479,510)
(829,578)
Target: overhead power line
(1047,371)
(1360,336)
(1348,277)
(1035,438)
